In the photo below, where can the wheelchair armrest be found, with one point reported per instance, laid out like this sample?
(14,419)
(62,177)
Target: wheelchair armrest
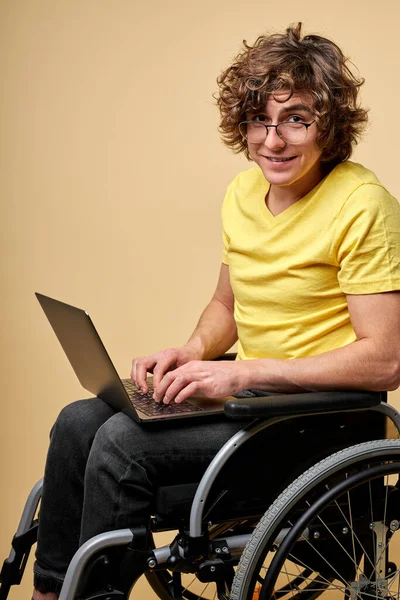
(302,404)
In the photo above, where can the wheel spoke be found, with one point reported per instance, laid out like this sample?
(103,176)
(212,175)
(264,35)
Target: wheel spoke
(322,581)
(295,559)
(186,588)
(290,583)
(325,560)
(355,535)
(372,522)
(321,556)
(205,588)
(386,497)
(352,530)
(384,542)
(393,578)
(339,543)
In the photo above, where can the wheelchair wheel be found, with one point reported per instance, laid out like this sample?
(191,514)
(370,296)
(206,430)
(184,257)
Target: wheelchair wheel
(334,529)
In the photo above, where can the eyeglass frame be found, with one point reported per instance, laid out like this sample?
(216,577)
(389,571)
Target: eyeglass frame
(266,125)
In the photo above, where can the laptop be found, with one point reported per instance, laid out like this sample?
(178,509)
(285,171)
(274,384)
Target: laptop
(96,373)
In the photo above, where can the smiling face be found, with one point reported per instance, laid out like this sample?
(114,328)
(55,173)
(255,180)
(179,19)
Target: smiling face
(294,167)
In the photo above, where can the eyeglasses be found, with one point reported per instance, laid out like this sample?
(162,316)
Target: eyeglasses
(255,132)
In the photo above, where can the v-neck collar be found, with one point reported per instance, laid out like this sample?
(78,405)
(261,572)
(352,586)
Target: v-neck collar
(287,212)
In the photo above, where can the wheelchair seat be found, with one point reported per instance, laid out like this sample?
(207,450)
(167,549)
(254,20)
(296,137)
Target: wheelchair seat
(294,445)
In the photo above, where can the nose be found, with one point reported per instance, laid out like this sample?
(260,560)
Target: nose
(273,141)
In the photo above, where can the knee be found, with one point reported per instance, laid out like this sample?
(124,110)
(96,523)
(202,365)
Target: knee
(114,434)
(80,419)
(115,441)
(69,419)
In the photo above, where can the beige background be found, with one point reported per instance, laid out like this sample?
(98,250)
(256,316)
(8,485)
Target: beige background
(112,176)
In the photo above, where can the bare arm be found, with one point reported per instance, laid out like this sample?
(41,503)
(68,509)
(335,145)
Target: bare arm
(372,362)
(216,330)
(214,334)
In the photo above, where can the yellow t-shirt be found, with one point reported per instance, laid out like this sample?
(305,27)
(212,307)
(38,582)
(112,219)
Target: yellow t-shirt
(290,273)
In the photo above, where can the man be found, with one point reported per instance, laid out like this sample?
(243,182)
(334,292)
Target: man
(310,270)
(308,287)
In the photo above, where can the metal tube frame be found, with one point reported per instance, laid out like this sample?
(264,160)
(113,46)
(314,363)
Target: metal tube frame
(120,537)
(240,438)
(28,514)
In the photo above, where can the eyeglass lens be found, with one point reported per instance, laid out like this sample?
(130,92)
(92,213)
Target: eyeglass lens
(256,133)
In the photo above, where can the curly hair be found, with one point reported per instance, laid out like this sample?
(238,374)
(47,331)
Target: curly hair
(292,63)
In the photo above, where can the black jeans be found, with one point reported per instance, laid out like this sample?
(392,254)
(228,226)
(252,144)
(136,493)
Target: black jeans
(101,473)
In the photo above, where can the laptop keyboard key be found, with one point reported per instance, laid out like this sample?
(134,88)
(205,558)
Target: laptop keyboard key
(146,404)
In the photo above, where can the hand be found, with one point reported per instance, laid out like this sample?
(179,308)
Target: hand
(159,364)
(212,379)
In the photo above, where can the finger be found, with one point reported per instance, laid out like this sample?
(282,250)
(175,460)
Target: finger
(163,366)
(186,392)
(142,368)
(133,371)
(168,380)
(176,388)
(135,363)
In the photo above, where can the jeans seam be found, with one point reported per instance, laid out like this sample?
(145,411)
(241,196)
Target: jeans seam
(117,501)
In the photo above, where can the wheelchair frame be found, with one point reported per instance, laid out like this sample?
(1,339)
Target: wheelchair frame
(191,551)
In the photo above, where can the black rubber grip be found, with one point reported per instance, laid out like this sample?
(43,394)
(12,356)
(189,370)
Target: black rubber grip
(300,404)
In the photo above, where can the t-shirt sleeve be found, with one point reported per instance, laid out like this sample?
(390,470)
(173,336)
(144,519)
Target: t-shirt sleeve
(366,243)
(225,248)
(225,213)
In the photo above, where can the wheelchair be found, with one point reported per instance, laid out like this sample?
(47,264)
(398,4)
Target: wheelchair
(329,524)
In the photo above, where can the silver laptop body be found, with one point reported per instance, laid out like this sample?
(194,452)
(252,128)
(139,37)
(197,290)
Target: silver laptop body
(96,373)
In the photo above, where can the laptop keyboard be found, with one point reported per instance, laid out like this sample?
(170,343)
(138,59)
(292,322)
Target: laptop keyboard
(146,404)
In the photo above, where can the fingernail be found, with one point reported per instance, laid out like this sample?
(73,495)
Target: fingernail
(155,397)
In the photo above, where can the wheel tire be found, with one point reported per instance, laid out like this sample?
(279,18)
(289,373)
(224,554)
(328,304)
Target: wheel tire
(330,469)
